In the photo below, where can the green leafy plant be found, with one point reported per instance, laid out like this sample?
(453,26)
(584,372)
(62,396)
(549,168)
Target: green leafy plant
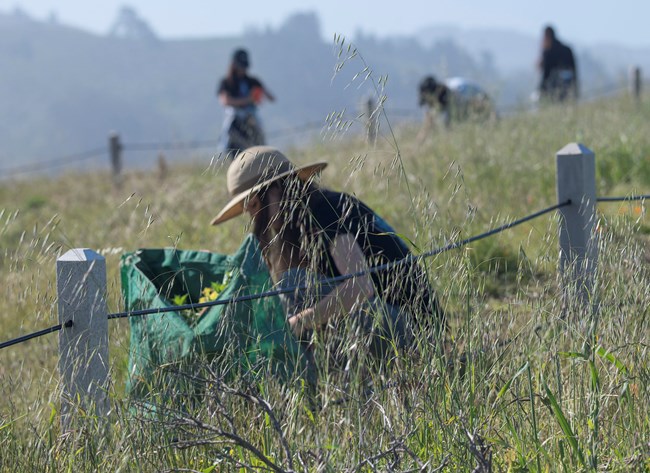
(208,294)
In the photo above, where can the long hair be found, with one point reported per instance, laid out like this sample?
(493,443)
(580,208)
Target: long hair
(231,74)
(285,240)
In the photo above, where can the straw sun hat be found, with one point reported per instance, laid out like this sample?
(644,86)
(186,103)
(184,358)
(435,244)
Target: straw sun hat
(252,170)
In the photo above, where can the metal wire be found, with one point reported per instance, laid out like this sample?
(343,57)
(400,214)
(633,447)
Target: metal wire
(309,126)
(343,277)
(202,144)
(63,160)
(40,333)
(277,133)
(168,146)
(630,198)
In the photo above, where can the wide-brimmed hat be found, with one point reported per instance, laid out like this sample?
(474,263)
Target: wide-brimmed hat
(252,170)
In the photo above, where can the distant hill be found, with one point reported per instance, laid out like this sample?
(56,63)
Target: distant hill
(63,89)
(510,51)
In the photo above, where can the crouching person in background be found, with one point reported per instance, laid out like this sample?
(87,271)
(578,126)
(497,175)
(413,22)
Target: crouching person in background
(436,98)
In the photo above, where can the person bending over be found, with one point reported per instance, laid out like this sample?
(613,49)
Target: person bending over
(308,234)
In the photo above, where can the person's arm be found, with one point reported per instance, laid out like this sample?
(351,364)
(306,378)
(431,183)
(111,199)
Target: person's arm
(268,94)
(228,100)
(546,69)
(348,258)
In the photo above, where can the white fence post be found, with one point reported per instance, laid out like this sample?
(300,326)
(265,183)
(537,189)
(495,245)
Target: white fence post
(83,345)
(576,181)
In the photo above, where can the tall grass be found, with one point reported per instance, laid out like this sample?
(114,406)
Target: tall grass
(525,385)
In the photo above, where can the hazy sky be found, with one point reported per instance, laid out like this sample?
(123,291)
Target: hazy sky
(577,21)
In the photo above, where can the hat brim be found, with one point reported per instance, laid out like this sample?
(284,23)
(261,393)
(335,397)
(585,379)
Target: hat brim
(235,206)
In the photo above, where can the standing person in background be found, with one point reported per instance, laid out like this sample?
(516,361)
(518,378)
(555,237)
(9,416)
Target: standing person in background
(241,94)
(559,75)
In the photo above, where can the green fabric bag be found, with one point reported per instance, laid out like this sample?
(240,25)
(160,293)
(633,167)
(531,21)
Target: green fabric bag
(241,338)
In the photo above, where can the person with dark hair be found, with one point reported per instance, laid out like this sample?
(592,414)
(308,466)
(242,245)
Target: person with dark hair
(558,66)
(241,94)
(309,234)
(436,98)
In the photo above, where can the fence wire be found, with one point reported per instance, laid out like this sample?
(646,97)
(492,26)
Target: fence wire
(285,132)
(343,277)
(630,198)
(277,292)
(274,134)
(204,144)
(55,162)
(169,146)
(40,333)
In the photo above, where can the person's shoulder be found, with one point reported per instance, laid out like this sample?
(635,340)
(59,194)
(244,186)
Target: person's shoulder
(332,205)
(325,211)
(253,81)
(340,199)
(561,46)
(350,207)
(324,199)
(224,84)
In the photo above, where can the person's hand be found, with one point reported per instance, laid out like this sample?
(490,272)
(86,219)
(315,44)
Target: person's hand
(299,322)
(257,94)
(293,323)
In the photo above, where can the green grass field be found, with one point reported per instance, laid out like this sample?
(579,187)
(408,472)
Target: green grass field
(539,390)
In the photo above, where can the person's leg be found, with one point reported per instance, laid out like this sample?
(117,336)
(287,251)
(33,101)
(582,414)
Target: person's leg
(388,326)
(379,331)
(225,145)
(237,135)
(427,126)
(258,131)
(306,290)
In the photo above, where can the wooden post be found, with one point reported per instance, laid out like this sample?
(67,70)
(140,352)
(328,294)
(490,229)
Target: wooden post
(83,339)
(115,151)
(163,169)
(576,181)
(371,120)
(635,82)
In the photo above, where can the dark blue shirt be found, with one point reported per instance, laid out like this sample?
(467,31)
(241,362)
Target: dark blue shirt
(405,285)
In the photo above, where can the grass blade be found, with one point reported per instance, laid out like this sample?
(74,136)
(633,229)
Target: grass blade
(609,356)
(564,423)
(506,386)
(532,410)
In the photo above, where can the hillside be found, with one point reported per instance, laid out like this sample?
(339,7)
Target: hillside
(63,89)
